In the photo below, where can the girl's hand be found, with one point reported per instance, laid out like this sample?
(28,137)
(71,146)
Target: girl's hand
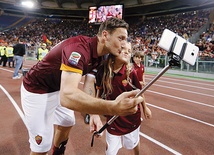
(147,113)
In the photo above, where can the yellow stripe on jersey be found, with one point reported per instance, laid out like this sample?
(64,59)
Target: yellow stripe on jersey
(70,69)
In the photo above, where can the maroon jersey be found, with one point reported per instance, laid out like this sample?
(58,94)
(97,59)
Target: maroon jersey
(77,54)
(139,70)
(123,124)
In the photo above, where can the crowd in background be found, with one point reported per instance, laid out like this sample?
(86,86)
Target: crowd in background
(206,44)
(144,33)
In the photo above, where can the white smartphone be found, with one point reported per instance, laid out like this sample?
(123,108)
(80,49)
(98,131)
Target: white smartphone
(187,51)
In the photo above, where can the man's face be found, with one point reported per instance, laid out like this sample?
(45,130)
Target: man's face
(116,41)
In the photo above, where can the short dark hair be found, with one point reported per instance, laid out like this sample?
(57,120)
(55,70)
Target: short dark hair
(21,39)
(111,24)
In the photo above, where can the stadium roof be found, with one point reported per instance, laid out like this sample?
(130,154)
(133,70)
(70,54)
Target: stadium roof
(79,8)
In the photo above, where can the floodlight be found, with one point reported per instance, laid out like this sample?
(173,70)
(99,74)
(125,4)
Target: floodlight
(27,3)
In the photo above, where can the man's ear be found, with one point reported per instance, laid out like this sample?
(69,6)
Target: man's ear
(105,34)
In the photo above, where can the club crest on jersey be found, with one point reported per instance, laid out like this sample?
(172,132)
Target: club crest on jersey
(74,58)
(124,82)
(38,139)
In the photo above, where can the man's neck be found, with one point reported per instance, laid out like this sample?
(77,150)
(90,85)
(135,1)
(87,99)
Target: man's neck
(101,49)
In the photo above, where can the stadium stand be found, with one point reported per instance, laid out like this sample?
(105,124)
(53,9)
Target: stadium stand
(10,22)
(144,35)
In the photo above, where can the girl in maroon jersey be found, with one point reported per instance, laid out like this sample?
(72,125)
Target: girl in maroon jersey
(139,67)
(113,78)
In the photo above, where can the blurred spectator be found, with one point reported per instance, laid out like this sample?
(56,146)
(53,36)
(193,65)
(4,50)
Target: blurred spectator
(10,55)
(3,57)
(42,51)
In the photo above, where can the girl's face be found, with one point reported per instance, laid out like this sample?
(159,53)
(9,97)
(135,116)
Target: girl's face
(137,59)
(125,55)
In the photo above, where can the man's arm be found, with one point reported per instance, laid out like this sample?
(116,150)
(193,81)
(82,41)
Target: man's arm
(89,88)
(74,98)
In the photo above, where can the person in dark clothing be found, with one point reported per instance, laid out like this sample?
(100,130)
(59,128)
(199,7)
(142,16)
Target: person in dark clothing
(19,53)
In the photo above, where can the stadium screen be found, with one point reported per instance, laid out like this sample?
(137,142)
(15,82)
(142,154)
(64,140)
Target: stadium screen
(99,14)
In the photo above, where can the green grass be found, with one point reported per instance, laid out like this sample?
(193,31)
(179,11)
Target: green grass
(182,76)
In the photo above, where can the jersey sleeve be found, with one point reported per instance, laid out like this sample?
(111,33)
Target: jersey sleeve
(73,59)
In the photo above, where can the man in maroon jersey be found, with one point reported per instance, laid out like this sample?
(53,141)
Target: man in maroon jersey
(50,92)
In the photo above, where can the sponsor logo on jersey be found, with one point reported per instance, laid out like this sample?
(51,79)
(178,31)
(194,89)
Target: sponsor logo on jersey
(74,58)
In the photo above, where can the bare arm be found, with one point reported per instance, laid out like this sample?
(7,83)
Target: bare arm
(74,98)
(144,80)
(146,111)
(143,83)
(95,121)
(88,86)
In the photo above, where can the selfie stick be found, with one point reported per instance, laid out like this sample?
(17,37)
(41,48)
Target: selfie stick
(174,61)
